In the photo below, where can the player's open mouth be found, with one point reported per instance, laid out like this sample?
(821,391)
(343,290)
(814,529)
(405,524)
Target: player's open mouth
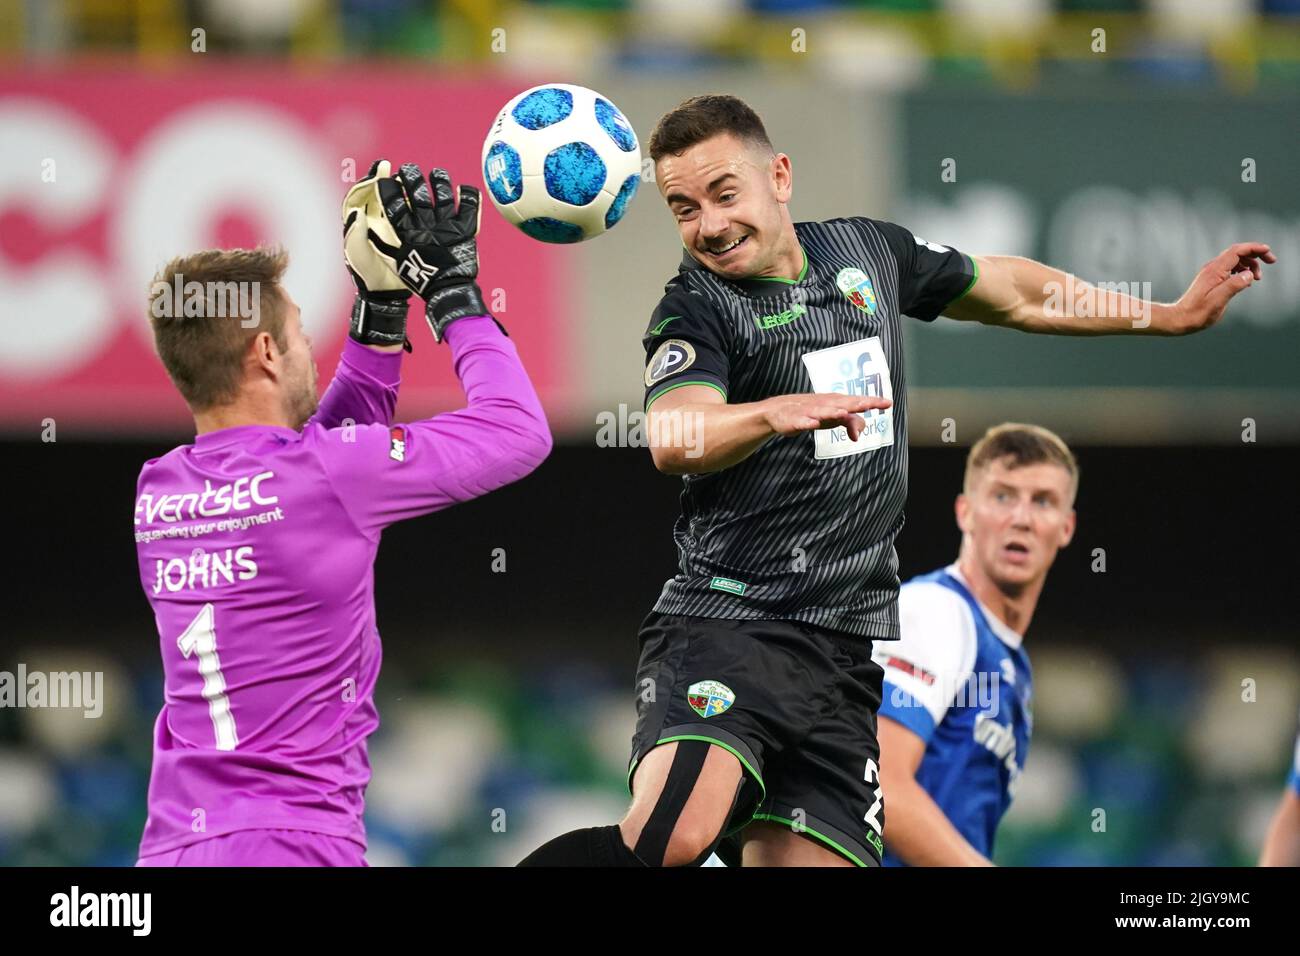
(720,253)
(1016,551)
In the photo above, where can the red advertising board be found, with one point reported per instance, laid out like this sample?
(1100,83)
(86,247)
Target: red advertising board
(105,174)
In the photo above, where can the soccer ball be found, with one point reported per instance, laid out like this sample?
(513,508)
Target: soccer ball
(561,163)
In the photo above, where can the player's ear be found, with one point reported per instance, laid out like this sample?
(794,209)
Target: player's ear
(962,509)
(782,177)
(1067,529)
(266,354)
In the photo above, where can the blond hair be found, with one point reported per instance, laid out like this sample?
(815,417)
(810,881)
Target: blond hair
(1024,445)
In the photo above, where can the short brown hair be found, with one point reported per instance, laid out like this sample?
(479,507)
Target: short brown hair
(701,117)
(204,353)
(1024,445)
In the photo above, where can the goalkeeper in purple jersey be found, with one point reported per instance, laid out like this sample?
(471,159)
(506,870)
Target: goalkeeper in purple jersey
(257,542)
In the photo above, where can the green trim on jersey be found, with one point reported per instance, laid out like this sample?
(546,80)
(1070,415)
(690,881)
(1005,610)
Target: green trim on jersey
(660,327)
(802,272)
(973,279)
(804,828)
(708,740)
(658,395)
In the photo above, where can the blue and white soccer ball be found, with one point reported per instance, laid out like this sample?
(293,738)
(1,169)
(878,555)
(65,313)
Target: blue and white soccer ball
(561,162)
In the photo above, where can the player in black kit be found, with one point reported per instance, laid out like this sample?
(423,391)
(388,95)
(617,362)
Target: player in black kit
(778,346)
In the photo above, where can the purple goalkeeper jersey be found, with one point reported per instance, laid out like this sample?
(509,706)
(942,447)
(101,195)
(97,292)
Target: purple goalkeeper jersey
(257,548)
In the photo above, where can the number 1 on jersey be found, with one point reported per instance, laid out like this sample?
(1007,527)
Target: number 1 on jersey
(201,638)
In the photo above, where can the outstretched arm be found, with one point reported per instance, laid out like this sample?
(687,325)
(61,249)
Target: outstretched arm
(1023,294)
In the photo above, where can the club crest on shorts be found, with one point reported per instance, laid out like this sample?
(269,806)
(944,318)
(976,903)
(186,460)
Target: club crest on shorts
(708,698)
(857,288)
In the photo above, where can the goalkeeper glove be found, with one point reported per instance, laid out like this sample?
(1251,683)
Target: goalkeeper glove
(435,253)
(379,310)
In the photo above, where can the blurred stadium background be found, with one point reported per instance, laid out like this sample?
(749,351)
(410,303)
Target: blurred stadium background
(1168,684)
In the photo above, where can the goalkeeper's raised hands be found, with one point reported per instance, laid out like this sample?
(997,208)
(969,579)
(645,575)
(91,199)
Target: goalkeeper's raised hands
(434,251)
(379,311)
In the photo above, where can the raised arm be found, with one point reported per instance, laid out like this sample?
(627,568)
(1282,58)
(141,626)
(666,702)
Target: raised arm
(385,475)
(364,388)
(388,474)
(1018,293)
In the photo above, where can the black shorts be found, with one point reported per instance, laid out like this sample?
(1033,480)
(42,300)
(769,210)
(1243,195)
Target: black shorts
(794,703)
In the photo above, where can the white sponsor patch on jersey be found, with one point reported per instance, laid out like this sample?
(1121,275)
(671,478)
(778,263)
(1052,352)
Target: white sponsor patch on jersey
(855,368)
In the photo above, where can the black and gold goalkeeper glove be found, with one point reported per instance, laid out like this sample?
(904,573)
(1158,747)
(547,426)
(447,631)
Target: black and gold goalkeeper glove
(379,311)
(434,252)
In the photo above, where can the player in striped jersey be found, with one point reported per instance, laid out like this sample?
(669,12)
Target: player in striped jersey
(778,349)
(955,714)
